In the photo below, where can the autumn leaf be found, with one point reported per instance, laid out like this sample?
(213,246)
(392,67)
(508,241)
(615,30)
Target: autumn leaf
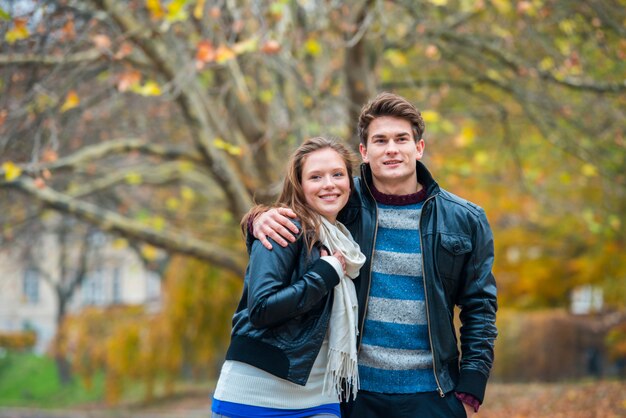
(39,183)
(205,51)
(396,58)
(589,170)
(120,243)
(219,143)
(270,46)
(176,11)
(432,52)
(126,48)
(133,178)
(198,10)
(187,193)
(68,30)
(4,15)
(172,204)
(155,9)
(151,88)
(149,252)
(49,156)
(11,171)
(71,101)
(430,116)
(18,32)
(224,54)
(102,42)
(313,47)
(128,79)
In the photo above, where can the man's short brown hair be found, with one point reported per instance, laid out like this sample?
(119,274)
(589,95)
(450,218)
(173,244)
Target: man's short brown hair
(389,104)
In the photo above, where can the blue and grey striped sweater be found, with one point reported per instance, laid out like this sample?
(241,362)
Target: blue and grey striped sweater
(395,354)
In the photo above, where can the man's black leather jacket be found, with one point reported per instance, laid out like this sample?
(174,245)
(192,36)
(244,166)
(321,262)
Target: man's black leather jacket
(457,251)
(283,315)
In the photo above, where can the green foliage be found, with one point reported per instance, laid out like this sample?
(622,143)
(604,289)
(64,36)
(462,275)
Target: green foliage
(31,380)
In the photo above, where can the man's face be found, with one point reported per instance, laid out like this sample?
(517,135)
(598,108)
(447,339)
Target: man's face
(391,153)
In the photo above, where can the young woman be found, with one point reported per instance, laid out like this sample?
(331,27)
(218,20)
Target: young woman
(293,342)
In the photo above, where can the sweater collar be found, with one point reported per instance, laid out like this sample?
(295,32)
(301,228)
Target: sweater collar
(398,200)
(429,187)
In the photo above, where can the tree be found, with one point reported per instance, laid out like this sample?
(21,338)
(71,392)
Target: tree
(163,121)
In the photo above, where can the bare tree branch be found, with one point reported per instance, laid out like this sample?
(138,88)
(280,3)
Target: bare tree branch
(173,241)
(51,60)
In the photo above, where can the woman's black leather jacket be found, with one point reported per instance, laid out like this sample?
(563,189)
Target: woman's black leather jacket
(283,315)
(457,251)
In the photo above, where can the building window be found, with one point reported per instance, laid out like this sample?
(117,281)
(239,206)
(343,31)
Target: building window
(153,286)
(116,293)
(30,286)
(93,289)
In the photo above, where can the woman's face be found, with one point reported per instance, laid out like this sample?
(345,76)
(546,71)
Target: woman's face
(325,182)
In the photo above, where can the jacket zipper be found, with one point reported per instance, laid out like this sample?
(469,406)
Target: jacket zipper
(430,336)
(369,278)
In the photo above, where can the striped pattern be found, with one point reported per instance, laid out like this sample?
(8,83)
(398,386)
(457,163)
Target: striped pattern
(395,354)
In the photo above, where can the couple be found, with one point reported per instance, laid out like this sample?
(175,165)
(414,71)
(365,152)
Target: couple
(374,271)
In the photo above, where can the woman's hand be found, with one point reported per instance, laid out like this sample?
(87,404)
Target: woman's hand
(338,255)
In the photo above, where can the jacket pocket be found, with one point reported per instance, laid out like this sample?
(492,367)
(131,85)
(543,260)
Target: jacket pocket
(452,254)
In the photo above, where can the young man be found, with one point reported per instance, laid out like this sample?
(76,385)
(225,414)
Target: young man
(427,252)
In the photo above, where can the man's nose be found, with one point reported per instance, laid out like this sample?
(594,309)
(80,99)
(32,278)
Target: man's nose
(391,148)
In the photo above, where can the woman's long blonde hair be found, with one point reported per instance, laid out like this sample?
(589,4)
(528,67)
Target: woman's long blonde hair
(292,195)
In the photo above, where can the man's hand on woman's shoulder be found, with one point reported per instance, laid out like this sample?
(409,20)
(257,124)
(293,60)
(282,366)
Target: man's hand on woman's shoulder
(275,224)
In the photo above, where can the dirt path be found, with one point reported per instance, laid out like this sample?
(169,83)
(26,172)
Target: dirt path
(594,399)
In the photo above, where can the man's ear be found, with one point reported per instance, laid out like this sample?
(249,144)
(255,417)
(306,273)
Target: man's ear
(420,145)
(363,151)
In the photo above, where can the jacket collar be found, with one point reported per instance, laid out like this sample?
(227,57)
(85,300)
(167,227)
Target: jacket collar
(423,177)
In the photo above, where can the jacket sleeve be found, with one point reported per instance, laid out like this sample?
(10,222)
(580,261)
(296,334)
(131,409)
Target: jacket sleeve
(274,295)
(478,302)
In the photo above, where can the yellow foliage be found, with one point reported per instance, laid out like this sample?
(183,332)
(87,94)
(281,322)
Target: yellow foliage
(223,54)
(129,343)
(155,8)
(133,178)
(11,171)
(589,170)
(396,58)
(21,340)
(219,143)
(176,11)
(431,116)
(187,193)
(71,101)
(313,47)
(18,32)
(198,10)
(151,88)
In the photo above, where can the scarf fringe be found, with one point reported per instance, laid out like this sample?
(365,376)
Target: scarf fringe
(342,375)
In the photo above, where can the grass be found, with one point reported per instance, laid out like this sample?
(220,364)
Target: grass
(30,380)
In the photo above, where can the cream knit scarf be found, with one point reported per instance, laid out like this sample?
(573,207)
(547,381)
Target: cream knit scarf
(342,371)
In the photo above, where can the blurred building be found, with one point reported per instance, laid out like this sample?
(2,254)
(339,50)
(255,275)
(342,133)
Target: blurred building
(28,287)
